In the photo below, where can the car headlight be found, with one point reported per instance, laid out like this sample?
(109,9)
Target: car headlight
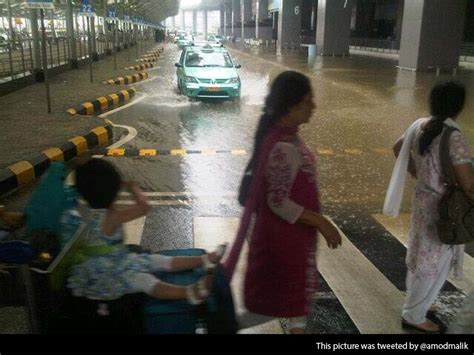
(234,80)
(190,79)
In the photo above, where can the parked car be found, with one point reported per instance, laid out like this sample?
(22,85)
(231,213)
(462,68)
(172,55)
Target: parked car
(184,41)
(208,72)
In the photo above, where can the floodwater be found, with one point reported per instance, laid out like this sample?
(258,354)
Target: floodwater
(364,105)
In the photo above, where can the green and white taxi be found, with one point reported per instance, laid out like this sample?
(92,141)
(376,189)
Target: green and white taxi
(208,72)
(184,41)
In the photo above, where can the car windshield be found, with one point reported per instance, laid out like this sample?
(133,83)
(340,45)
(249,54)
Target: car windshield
(202,59)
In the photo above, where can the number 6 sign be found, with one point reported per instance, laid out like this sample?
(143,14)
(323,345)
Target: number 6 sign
(297,10)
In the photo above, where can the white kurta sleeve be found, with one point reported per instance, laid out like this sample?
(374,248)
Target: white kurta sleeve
(283,165)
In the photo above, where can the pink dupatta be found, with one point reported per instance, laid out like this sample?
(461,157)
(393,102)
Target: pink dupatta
(256,194)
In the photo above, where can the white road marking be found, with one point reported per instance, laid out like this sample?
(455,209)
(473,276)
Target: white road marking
(369,298)
(141,97)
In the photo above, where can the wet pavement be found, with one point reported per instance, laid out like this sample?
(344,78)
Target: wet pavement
(364,105)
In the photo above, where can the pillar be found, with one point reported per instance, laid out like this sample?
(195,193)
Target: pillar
(399,23)
(195,21)
(236,14)
(173,23)
(37,67)
(10,22)
(257,17)
(183,21)
(289,23)
(432,34)
(262,10)
(204,15)
(71,36)
(242,20)
(333,27)
(95,55)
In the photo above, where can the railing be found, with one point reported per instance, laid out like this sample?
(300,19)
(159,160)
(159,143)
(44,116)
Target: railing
(388,46)
(467,52)
(375,45)
(16,57)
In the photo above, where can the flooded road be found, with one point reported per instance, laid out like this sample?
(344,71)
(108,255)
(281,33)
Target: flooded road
(364,105)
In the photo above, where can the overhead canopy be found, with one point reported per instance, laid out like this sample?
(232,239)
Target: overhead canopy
(155,10)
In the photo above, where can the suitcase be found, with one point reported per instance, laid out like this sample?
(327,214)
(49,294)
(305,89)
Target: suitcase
(215,316)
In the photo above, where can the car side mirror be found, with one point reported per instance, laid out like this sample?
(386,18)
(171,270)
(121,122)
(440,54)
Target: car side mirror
(178,65)
(238,66)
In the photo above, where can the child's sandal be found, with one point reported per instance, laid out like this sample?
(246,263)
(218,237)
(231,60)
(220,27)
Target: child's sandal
(210,266)
(197,293)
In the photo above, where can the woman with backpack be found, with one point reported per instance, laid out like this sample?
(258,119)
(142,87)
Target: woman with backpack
(280,191)
(429,260)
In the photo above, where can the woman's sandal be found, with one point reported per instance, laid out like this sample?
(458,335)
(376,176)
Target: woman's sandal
(410,326)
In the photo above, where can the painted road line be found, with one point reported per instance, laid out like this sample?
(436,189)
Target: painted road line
(369,298)
(238,152)
(353,151)
(209,232)
(155,203)
(399,228)
(180,152)
(147,152)
(115,152)
(179,194)
(325,151)
(134,152)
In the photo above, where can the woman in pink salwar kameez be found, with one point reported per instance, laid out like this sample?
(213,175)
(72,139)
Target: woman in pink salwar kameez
(282,212)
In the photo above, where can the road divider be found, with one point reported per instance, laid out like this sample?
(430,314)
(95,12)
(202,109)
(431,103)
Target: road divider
(26,171)
(104,103)
(140,67)
(126,80)
(120,152)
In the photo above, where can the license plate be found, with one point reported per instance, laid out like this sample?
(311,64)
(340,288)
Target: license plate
(213,88)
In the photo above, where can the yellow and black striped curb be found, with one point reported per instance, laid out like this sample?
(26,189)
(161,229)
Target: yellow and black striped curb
(151,60)
(104,103)
(151,56)
(119,152)
(26,171)
(141,66)
(126,80)
(157,50)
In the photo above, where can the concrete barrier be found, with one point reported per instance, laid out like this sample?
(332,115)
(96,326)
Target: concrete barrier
(104,103)
(140,67)
(126,80)
(27,171)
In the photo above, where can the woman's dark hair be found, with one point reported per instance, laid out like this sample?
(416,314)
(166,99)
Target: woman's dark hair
(98,182)
(446,101)
(287,90)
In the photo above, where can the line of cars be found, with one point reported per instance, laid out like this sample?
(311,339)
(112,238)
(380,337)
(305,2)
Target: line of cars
(206,69)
